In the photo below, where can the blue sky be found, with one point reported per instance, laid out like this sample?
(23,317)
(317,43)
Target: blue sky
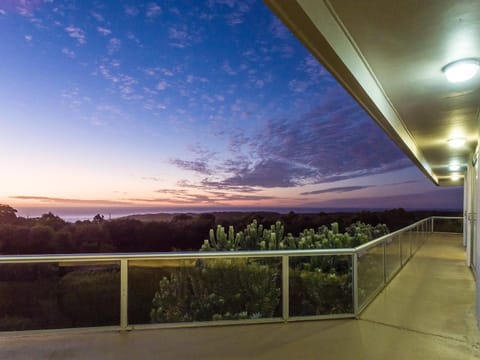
(184,103)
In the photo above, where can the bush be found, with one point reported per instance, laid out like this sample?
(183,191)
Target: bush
(91,297)
(319,293)
(15,323)
(142,284)
(219,290)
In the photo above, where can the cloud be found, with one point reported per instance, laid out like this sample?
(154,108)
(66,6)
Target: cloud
(114,45)
(213,3)
(233,12)
(28,38)
(279,30)
(46,199)
(103,31)
(189,197)
(227,68)
(333,141)
(298,85)
(131,36)
(131,10)
(161,85)
(69,53)
(212,185)
(269,173)
(97,16)
(24,8)
(153,10)
(125,84)
(192,78)
(151,178)
(179,35)
(199,166)
(77,34)
(234,19)
(442,198)
(340,189)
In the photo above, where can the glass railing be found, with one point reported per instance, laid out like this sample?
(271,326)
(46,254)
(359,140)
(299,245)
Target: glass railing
(447,224)
(378,261)
(128,291)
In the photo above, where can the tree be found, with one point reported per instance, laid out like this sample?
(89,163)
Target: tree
(40,239)
(98,218)
(53,221)
(7,214)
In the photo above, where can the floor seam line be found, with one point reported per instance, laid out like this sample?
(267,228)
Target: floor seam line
(415,331)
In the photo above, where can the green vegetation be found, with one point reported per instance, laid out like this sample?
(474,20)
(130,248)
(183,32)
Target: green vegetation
(59,295)
(49,234)
(226,289)
(251,288)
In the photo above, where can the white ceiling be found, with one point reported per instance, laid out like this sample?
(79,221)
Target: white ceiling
(389,54)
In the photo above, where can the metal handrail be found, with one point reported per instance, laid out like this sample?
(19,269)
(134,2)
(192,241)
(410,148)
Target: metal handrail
(169,256)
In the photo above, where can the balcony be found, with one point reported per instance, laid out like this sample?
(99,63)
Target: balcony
(423,307)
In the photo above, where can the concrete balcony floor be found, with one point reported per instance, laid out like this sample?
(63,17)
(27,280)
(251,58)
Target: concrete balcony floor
(426,312)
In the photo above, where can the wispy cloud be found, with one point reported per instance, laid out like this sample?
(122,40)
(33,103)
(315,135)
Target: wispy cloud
(97,16)
(3,12)
(279,30)
(153,10)
(233,12)
(69,53)
(340,189)
(47,199)
(132,37)
(297,85)
(114,45)
(189,197)
(228,68)
(77,34)
(445,198)
(161,85)
(179,36)
(151,178)
(104,31)
(334,142)
(131,10)
(199,166)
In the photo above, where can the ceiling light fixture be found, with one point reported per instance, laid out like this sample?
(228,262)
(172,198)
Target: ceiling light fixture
(461,70)
(456,142)
(454,167)
(454,177)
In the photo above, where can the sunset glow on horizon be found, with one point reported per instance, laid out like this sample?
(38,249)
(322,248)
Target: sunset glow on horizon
(169,104)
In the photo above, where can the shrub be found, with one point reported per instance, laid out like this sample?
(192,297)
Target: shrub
(91,297)
(219,290)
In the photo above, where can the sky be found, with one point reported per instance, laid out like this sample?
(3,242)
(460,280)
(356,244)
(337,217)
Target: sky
(190,104)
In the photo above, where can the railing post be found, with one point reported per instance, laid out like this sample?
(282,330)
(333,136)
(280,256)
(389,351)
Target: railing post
(123,294)
(385,262)
(433,219)
(355,282)
(285,288)
(410,239)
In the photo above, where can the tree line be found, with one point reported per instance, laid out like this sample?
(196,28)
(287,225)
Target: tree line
(183,232)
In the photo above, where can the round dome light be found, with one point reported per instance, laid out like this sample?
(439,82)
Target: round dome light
(454,177)
(461,70)
(454,167)
(457,142)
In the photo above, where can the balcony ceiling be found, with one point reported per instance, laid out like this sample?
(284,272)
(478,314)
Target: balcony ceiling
(389,54)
